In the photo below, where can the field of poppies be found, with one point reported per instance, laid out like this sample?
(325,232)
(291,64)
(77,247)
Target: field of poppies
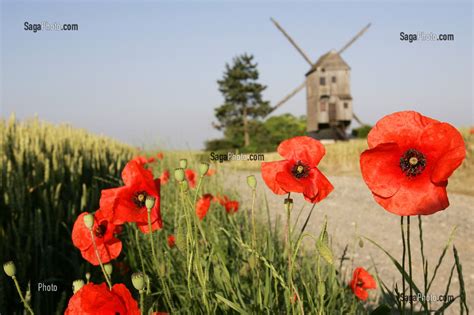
(129,232)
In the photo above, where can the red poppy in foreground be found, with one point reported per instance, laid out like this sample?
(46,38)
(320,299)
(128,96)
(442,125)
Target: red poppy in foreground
(202,205)
(143,160)
(298,172)
(127,203)
(97,299)
(361,282)
(108,246)
(409,161)
(191,177)
(165,177)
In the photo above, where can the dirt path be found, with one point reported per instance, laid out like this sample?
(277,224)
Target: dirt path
(350,208)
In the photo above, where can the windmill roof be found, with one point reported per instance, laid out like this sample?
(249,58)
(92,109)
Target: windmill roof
(331,61)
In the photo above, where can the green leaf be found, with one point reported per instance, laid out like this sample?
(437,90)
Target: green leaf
(230,304)
(381,310)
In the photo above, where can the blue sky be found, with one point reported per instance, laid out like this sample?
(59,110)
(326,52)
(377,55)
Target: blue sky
(145,72)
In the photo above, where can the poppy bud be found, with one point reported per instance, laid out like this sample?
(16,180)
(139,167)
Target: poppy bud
(77,285)
(252,181)
(179,174)
(9,268)
(183,163)
(185,185)
(89,221)
(203,168)
(108,269)
(149,202)
(138,281)
(288,204)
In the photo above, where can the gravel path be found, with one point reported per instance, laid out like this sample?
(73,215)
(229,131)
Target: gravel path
(351,210)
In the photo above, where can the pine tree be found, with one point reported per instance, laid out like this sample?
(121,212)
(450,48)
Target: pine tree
(242,93)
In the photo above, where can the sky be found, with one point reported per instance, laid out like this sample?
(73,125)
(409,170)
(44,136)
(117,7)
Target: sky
(145,72)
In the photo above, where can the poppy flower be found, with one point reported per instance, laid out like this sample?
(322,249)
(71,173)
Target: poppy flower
(231,206)
(191,177)
(127,203)
(409,161)
(165,176)
(108,246)
(97,299)
(298,172)
(143,160)
(202,205)
(361,282)
(159,156)
(211,172)
(171,241)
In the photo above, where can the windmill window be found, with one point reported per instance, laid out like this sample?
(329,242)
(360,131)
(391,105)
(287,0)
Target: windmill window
(333,79)
(346,105)
(322,81)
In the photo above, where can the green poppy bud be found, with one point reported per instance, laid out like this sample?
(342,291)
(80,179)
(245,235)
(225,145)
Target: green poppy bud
(9,268)
(77,285)
(179,174)
(149,202)
(89,220)
(203,168)
(252,181)
(138,281)
(183,163)
(108,269)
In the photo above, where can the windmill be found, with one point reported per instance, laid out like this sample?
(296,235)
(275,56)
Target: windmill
(328,94)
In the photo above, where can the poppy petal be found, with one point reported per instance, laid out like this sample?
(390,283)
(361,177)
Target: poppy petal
(135,172)
(444,146)
(420,198)
(289,183)
(269,172)
(320,185)
(403,128)
(302,148)
(380,168)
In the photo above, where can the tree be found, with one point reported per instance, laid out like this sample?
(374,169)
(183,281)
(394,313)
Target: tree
(243,99)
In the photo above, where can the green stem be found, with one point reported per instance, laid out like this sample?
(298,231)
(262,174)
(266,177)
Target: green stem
(142,310)
(27,306)
(100,261)
(254,234)
(423,259)
(150,236)
(137,241)
(409,264)
(289,249)
(403,265)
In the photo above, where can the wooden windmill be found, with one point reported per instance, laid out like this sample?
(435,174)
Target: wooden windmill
(328,93)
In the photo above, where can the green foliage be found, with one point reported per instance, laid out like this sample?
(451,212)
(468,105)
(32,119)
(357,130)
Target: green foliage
(361,132)
(49,174)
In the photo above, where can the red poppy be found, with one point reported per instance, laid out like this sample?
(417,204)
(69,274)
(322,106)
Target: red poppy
(409,161)
(231,206)
(127,203)
(362,281)
(202,205)
(171,241)
(159,156)
(108,246)
(165,176)
(97,299)
(298,172)
(191,177)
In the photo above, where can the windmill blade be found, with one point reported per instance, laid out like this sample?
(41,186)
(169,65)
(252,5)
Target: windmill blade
(292,42)
(362,31)
(357,119)
(286,98)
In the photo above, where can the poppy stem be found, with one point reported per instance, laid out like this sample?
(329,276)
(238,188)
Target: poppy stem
(142,310)
(409,264)
(288,206)
(137,241)
(403,265)
(150,235)
(25,303)
(423,259)
(100,261)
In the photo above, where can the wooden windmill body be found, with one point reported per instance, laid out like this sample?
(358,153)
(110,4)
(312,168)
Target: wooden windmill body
(328,95)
